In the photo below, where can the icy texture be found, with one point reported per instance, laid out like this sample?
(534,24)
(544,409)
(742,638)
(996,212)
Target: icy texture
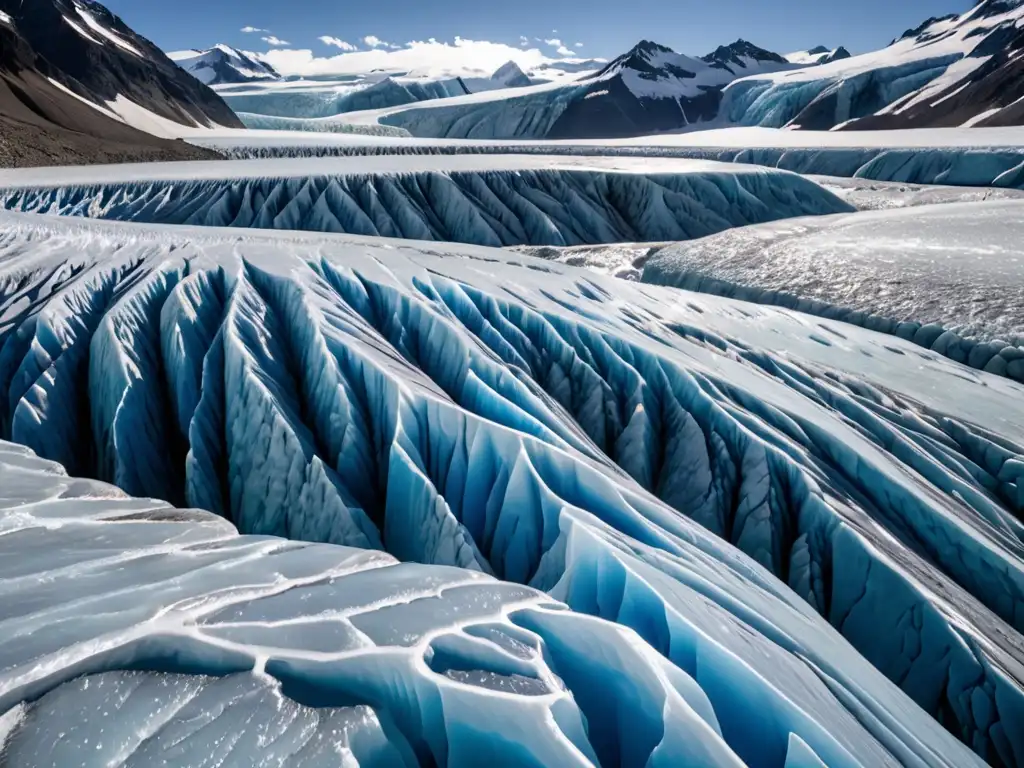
(970,166)
(950,278)
(522,201)
(327,101)
(616,446)
(316,125)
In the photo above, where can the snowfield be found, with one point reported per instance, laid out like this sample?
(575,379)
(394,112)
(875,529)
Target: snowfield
(936,275)
(775,533)
(488,200)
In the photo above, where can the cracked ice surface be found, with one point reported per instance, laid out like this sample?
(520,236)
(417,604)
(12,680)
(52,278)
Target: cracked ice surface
(805,540)
(496,200)
(950,278)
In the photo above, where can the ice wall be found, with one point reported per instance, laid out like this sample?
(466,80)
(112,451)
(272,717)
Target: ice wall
(532,206)
(958,166)
(784,529)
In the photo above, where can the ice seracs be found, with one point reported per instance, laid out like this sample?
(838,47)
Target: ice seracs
(488,200)
(742,486)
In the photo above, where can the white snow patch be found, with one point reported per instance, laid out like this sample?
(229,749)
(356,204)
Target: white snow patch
(98,28)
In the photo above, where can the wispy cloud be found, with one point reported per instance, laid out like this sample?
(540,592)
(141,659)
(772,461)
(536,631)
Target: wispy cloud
(428,58)
(524,41)
(253,30)
(273,40)
(559,47)
(578,45)
(338,43)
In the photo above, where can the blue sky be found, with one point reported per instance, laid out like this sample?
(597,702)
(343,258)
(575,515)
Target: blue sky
(604,27)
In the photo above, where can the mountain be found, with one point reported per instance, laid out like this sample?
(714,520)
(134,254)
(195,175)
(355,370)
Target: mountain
(818,55)
(48,117)
(509,75)
(959,70)
(99,58)
(223,65)
(649,89)
(742,58)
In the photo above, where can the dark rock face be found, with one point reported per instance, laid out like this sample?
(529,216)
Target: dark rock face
(100,69)
(43,124)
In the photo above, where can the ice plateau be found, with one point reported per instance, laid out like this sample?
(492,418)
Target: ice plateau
(950,277)
(494,200)
(783,541)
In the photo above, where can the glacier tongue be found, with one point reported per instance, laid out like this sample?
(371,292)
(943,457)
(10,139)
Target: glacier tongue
(635,451)
(494,200)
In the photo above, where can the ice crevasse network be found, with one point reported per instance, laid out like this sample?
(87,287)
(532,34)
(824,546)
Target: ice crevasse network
(821,569)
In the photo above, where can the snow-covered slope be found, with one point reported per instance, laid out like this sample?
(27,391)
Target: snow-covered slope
(818,55)
(223,64)
(955,70)
(329,98)
(92,53)
(488,200)
(950,278)
(648,89)
(726,480)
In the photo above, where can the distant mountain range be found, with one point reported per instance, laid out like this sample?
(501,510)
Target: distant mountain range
(222,65)
(81,83)
(957,70)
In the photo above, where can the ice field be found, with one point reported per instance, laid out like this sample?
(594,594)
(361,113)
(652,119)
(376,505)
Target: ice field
(491,200)
(981,157)
(948,277)
(818,546)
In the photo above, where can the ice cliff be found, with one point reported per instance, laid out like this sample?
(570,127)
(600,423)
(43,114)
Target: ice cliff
(498,200)
(818,547)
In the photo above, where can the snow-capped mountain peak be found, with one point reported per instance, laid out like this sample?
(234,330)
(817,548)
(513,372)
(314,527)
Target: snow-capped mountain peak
(223,64)
(743,58)
(510,75)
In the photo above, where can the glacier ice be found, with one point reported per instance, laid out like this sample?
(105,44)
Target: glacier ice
(494,201)
(967,165)
(805,540)
(950,278)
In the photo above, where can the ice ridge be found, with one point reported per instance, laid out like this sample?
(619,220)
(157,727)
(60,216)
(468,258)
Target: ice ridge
(783,533)
(532,206)
(957,166)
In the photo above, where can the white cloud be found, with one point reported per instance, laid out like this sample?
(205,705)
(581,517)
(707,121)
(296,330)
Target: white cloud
(579,45)
(337,43)
(375,42)
(272,40)
(524,41)
(433,58)
(251,30)
(563,51)
(554,42)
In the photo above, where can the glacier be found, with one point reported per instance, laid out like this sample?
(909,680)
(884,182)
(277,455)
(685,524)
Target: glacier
(779,543)
(484,200)
(949,278)
(930,157)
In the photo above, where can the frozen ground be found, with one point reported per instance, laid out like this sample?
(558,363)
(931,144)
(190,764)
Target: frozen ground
(489,200)
(914,272)
(742,486)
